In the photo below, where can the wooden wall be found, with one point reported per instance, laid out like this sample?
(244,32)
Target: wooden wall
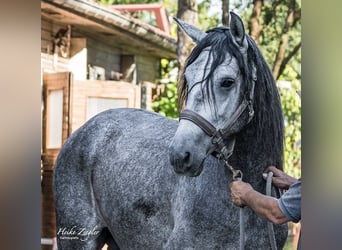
(49,62)
(103,55)
(46,36)
(147,68)
(100,53)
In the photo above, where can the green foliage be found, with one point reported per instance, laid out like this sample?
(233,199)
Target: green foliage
(273,18)
(167,102)
(291,105)
(207,21)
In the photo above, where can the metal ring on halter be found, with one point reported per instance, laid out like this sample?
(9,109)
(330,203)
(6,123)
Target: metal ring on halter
(237,174)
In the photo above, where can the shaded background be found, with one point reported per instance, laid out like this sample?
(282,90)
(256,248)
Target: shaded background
(20,110)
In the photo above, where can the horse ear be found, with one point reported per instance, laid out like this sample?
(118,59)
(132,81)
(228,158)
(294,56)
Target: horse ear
(195,34)
(237,29)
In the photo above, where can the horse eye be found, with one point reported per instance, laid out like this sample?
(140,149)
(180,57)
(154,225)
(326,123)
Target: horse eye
(227,83)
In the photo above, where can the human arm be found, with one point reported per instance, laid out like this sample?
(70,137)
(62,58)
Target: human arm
(264,206)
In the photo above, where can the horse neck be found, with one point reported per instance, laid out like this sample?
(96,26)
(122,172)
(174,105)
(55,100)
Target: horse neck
(251,157)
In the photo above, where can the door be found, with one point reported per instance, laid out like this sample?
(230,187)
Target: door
(55,130)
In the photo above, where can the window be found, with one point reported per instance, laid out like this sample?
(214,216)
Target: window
(98,104)
(55,118)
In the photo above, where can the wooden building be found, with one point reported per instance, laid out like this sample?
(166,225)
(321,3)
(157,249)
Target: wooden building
(93,57)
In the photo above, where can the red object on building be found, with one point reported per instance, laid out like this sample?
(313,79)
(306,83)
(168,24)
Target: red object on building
(158,9)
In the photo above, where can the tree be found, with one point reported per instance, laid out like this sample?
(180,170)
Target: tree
(225,12)
(254,25)
(281,60)
(187,11)
(274,19)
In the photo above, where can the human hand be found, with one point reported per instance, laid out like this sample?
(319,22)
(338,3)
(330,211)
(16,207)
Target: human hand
(279,179)
(238,192)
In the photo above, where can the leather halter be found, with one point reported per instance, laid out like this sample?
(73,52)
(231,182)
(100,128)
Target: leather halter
(220,149)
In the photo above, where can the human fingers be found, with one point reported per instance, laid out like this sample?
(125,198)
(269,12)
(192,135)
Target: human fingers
(235,195)
(276,172)
(234,184)
(278,178)
(271,169)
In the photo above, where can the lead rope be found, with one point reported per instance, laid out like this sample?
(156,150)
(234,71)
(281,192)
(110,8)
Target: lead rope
(237,176)
(270,224)
(242,230)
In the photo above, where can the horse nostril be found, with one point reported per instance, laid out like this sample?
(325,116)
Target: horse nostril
(186,157)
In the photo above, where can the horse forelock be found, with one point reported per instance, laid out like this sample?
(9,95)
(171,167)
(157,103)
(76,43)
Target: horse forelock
(217,41)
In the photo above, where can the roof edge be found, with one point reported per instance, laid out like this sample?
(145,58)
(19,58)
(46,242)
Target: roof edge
(108,17)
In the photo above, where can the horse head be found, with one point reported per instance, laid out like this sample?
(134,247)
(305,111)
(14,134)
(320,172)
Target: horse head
(216,94)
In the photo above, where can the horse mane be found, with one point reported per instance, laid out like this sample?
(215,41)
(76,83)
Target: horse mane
(267,126)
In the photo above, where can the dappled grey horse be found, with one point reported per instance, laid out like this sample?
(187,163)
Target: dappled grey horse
(136,180)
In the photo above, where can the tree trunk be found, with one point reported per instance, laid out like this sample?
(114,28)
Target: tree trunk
(254,24)
(280,55)
(187,11)
(225,12)
(292,17)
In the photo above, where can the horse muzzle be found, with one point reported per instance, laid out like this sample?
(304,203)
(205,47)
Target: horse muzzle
(184,162)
